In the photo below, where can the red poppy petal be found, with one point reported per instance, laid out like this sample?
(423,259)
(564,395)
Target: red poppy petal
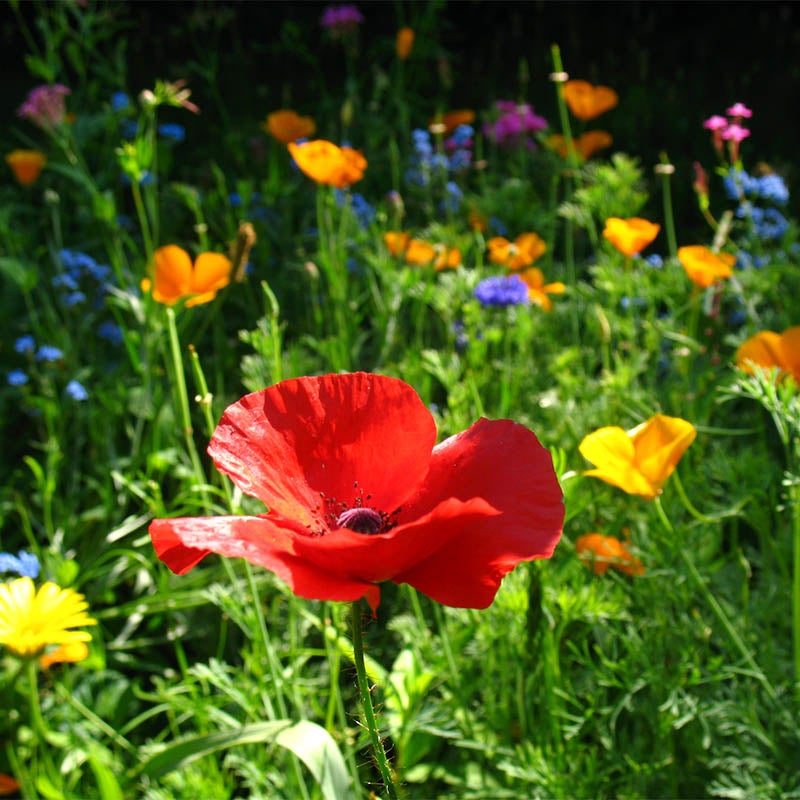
(341,435)
(379,557)
(503,463)
(182,542)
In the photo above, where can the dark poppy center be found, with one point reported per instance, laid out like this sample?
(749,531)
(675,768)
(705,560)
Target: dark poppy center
(361,520)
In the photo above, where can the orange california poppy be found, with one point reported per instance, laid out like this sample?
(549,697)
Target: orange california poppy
(397,241)
(175,278)
(640,460)
(288,126)
(600,552)
(424,254)
(705,267)
(769,349)
(328,164)
(452,119)
(586,101)
(520,253)
(538,290)
(8,785)
(630,236)
(405,41)
(26,165)
(586,145)
(65,654)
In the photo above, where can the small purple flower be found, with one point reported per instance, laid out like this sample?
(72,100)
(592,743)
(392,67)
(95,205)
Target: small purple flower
(515,121)
(76,391)
(502,291)
(45,106)
(17,378)
(49,353)
(25,344)
(341,20)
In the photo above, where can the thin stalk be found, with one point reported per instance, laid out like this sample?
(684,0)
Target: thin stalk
(714,604)
(183,404)
(794,503)
(665,169)
(365,694)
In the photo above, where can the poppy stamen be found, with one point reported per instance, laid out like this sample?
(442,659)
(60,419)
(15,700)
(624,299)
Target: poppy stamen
(361,520)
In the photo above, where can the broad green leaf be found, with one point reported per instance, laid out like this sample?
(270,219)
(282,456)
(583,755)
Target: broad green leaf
(311,743)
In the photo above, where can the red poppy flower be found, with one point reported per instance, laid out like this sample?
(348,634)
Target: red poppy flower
(358,494)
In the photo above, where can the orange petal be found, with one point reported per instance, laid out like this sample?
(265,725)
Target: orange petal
(659,443)
(172,274)
(764,349)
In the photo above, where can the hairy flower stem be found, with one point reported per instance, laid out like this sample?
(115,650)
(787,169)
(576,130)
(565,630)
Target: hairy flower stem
(714,604)
(365,694)
(183,404)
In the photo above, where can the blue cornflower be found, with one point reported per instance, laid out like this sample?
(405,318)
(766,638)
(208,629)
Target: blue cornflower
(772,188)
(738,182)
(462,136)
(76,262)
(65,281)
(769,223)
(74,299)
(25,344)
(24,564)
(120,101)
(49,353)
(655,261)
(502,290)
(17,377)
(111,332)
(76,391)
(453,196)
(129,128)
(171,130)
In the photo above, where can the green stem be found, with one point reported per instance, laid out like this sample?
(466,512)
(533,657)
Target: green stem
(365,694)
(666,169)
(794,503)
(183,403)
(713,603)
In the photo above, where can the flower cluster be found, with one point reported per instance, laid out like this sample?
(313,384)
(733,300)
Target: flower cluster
(770,189)
(45,106)
(341,20)
(427,162)
(43,355)
(361,208)
(421,253)
(514,124)
(729,129)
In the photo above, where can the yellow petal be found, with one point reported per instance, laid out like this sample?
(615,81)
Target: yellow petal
(611,450)
(659,444)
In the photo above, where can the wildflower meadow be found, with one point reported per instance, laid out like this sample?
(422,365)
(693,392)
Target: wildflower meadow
(370,433)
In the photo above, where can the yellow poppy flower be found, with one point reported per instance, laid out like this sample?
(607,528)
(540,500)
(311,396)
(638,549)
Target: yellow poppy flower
(630,236)
(599,552)
(586,101)
(705,267)
(640,460)
(26,165)
(520,253)
(287,126)
(175,277)
(328,164)
(31,620)
(538,290)
(769,349)
(405,42)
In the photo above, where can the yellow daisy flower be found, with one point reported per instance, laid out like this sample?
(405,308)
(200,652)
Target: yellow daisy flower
(30,620)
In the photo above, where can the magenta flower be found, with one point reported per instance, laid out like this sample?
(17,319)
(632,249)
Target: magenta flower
(44,106)
(716,123)
(515,121)
(740,111)
(735,133)
(341,20)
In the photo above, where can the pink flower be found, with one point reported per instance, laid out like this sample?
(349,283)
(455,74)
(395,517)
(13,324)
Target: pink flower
(44,106)
(740,111)
(735,133)
(716,123)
